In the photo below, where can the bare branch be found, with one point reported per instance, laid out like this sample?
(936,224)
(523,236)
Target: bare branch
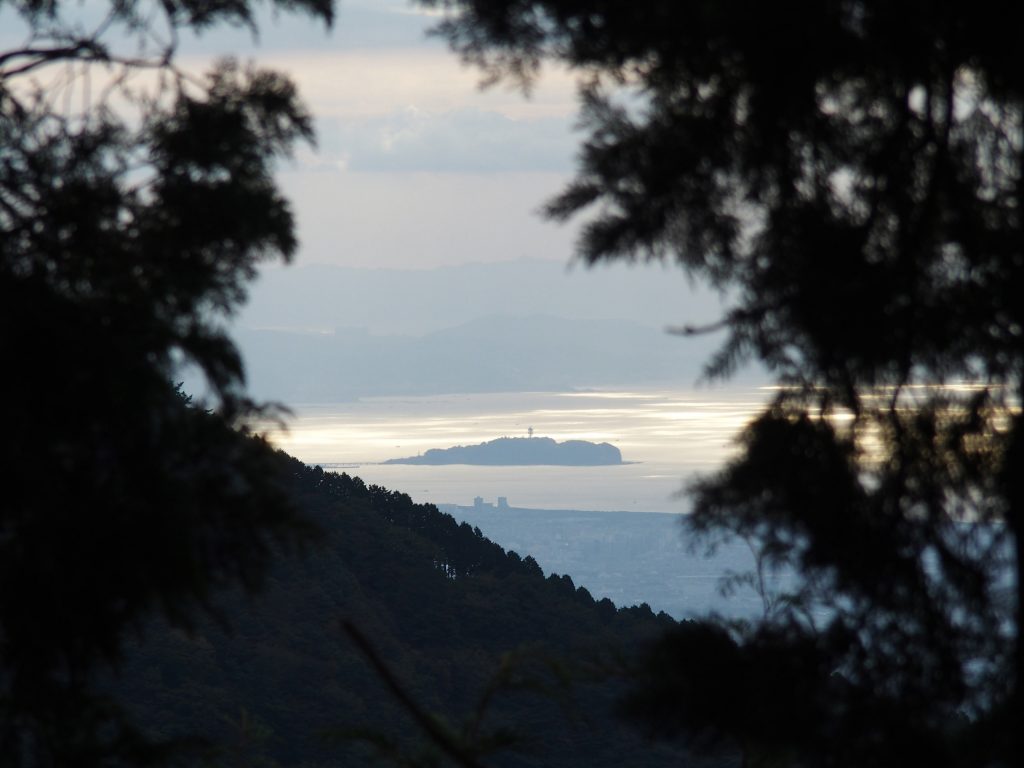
(698,330)
(429,726)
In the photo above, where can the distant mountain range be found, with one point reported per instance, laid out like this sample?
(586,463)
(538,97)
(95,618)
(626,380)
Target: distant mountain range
(333,334)
(491,354)
(521,451)
(420,301)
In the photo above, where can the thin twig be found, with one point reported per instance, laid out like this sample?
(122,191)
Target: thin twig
(696,330)
(423,720)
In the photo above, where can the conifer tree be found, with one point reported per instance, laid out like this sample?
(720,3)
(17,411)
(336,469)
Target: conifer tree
(136,199)
(851,176)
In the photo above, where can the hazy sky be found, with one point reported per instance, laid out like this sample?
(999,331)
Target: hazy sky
(416,165)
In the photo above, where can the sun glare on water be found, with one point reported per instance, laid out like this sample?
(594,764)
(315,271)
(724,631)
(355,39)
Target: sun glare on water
(665,437)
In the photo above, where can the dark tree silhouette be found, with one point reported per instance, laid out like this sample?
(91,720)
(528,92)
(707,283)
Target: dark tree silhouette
(851,174)
(135,201)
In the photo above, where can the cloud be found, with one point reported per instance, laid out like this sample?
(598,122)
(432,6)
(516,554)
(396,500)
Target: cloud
(420,220)
(461,140)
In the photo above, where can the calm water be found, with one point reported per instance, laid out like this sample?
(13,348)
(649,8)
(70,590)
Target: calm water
(668,435)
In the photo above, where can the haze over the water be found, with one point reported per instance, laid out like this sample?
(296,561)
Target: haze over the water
(666,436)
(426,274)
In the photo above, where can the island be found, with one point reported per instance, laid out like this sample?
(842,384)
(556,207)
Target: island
(521,451)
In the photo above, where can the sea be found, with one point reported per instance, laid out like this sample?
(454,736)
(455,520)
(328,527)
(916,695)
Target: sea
(666,436)
(616,530)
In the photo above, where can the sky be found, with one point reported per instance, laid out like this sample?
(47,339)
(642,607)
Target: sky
(416,165)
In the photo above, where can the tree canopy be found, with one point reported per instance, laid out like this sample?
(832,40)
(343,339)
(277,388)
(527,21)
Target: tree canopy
(851,175)
(136,199)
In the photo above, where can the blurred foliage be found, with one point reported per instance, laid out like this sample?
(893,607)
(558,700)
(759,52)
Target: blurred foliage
(135,201)
(849,174)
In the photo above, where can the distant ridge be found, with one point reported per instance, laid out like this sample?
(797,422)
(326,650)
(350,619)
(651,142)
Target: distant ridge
(521,451)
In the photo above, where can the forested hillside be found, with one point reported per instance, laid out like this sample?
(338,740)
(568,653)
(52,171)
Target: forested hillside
(451,613)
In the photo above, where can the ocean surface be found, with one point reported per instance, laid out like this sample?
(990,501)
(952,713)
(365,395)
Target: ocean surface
(616,530)
(631,558)
(666,437)
(565,517)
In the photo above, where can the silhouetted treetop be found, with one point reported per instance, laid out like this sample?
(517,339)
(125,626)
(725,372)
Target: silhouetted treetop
(747,140)
(849,174)
(136,200)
